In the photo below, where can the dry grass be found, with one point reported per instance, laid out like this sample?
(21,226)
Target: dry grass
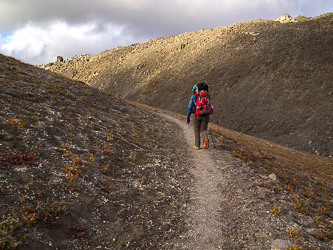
(316,165)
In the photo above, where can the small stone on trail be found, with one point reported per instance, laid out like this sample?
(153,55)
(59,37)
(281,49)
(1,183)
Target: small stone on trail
(280,245)
(273,177)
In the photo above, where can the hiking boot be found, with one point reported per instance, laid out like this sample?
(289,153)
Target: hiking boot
(206,144)
(195,147)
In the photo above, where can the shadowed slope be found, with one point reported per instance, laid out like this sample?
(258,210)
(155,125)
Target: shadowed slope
(268,79)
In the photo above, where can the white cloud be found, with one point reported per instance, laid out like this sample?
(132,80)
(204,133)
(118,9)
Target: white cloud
(39,45)
(37,31)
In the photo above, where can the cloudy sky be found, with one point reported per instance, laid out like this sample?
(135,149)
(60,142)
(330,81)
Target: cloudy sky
(37,31)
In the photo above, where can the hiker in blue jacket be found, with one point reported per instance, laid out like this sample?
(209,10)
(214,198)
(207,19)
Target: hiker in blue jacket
(200,122)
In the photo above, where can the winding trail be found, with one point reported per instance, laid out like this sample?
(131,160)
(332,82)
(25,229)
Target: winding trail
(205,206)
(228,209)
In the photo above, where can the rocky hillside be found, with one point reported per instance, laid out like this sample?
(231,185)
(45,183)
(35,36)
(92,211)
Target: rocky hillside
(82,170)
(268,78)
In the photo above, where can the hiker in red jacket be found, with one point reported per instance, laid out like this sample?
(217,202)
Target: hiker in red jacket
(201,107)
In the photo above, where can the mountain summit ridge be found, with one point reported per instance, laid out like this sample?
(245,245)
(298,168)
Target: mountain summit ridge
(267,78)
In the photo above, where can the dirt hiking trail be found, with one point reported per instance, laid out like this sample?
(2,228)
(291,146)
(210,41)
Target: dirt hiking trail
(205,209)
(227,208)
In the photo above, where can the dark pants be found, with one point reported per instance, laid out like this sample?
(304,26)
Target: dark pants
(200,124)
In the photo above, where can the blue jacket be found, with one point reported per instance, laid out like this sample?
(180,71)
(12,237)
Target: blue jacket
(190,105)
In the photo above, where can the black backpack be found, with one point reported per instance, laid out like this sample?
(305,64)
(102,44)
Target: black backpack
(202,86)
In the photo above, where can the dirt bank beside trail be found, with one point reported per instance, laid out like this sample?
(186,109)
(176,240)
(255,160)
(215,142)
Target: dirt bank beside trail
(230,209)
